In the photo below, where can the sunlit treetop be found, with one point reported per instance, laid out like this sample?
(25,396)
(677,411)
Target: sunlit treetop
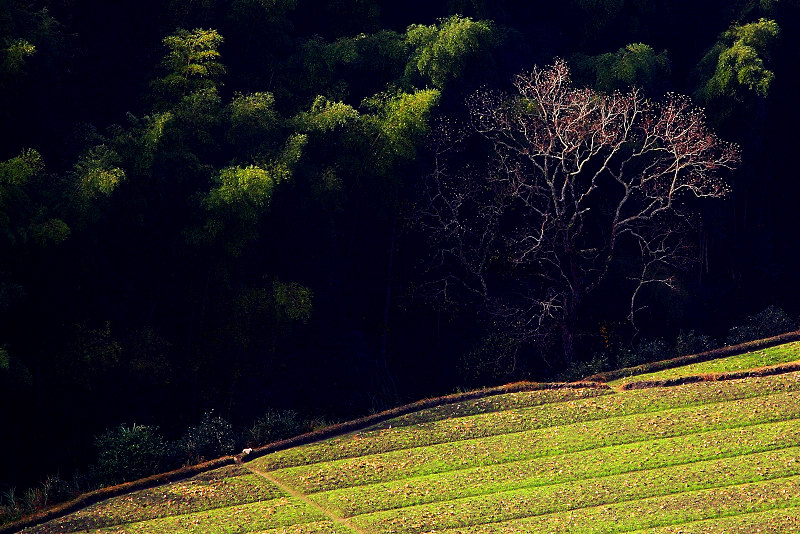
(192,62)
(442,52)
(737,65)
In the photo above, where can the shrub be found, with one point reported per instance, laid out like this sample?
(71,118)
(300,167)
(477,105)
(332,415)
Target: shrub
(127,453)
(9,505)
(653,350)
(766,323)
(274,426)
(492,360)
(57,489)
(212,438)
(582,369)
(693,343)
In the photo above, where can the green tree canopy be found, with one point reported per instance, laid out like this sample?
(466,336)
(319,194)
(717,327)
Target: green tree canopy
(442,52)
(192,63)
(736,66)
(636,64)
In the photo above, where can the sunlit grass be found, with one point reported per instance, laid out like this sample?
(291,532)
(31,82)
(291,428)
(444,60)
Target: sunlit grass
(219,488)
(520,420)
(647,513)
(778,521)
(702,457)
(586,493)
(602,462)
(261,515)
(789,352)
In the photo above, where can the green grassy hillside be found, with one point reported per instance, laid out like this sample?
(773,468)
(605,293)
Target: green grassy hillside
(787,353)
(715,456)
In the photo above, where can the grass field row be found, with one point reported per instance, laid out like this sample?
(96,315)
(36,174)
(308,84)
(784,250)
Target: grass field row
(233,485)
(543,500)
(315,527)
(778,521)
(252,517)
(520,420)
(647,514)
(789,352)
(603,462)
(495,403)
(531,444)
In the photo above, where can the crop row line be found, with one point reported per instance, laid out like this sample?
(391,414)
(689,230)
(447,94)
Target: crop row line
(646,513)
(512,421)
(573,496)
(583,466)
(535,444)
(779,520)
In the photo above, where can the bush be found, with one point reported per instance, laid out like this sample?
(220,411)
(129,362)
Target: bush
(493,360)
(51,491)
(9,505)
(274,426)
(129,453)
(582,369)
(211,439)
(647,350)
(766,323)
(693,343)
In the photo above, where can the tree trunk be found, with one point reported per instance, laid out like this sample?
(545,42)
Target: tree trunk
(567,342)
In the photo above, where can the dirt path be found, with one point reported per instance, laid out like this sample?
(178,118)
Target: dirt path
(333,516)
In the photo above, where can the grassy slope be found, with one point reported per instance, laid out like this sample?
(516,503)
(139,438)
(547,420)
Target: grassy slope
(789,352)
(701,457)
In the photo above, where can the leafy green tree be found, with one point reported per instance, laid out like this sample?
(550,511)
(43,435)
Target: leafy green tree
(253,123)
(25,217)
(399,120)
(192,63)
(325,116)
(24,33)
(15,175)
(634,65)
(349,68)
(16,53)
(98,173)
(243,193)
(292,301)
(443,52)
(736,70)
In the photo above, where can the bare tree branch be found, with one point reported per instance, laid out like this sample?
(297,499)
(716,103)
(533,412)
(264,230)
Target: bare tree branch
(574,175)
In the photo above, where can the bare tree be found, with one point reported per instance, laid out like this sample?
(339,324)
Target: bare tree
(574,177)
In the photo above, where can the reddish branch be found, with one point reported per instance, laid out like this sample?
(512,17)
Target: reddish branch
(574,175)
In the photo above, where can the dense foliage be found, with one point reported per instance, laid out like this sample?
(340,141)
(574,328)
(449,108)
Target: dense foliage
(206,205)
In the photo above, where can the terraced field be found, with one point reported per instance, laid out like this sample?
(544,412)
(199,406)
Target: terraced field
(787,353)
(703,457)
